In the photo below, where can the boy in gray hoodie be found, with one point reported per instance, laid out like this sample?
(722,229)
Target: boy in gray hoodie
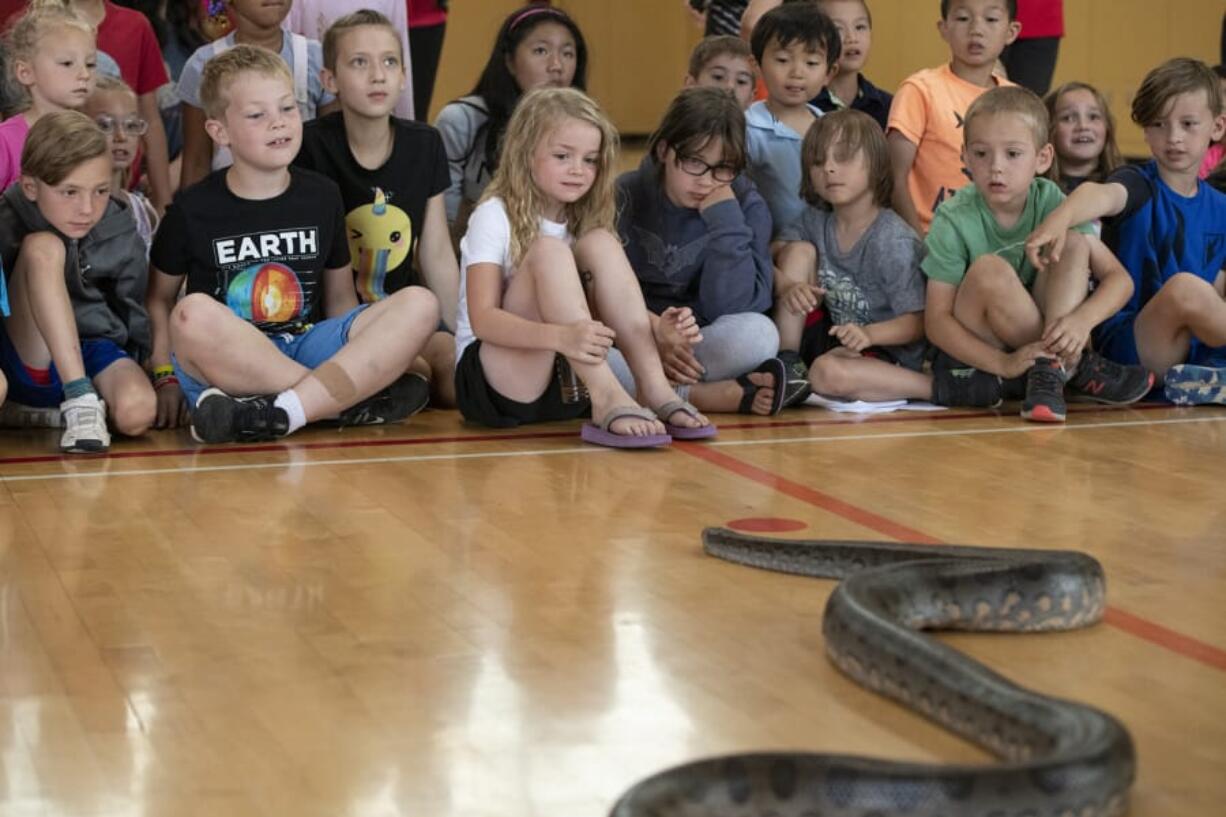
(76,273)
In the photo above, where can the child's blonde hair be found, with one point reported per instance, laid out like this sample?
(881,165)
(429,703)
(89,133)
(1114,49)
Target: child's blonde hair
(1110,158)
(1012,99)
(27,31)
(536,115)
(847,132)
(107,84)
(58,143)
(221,71)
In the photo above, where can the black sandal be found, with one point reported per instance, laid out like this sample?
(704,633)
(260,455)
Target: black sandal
(778,370)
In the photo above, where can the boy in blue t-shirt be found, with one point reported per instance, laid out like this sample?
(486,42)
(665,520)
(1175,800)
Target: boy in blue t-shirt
(1169,230)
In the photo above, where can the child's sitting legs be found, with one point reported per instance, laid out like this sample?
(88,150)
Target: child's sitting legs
(1185,309)
(546,288)
(42,330)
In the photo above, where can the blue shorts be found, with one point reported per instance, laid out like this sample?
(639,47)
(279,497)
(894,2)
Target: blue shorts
(95,354)
(1117,340)
(310,348)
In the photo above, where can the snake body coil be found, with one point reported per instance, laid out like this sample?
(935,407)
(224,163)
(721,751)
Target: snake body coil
(1057,758)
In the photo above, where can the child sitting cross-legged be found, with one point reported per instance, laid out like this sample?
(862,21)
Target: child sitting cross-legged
(991,313)
(76,273)
(698,237)
(1167,226)
(270,335)
(854,255)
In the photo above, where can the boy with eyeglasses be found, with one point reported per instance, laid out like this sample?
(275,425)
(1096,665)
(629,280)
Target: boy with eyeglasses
(114,107)
(697,234)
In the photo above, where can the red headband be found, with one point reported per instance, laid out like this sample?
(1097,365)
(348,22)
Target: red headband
(532,12)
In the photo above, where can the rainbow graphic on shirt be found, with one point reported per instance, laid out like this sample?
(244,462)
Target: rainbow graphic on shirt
(266,293)
(380,235)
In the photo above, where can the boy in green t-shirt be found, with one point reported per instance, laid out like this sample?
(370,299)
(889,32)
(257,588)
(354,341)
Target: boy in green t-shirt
(991,314)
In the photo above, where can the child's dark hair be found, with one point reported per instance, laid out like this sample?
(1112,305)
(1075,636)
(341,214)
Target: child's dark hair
(695,117)
(497,87)
(1180,75)
(846,132)
(797,22)
(709,48)
(1010,7)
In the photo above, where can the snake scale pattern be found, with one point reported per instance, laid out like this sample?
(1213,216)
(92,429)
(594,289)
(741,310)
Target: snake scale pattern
(1057,758)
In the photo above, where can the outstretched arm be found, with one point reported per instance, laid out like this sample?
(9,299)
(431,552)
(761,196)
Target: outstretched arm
(1087,203)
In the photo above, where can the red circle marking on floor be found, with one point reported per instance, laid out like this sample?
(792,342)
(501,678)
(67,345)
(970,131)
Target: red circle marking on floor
(767,524)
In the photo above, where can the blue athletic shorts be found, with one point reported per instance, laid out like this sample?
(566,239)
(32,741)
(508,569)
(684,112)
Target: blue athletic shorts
(310,348)
(1117,340)
(96,354)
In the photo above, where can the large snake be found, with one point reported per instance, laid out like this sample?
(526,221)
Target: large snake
(1057,758)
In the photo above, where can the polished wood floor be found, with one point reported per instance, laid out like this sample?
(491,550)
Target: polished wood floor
(434,619)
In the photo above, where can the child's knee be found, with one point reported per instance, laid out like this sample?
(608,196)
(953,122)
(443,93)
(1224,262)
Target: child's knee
(547,253)
(797,257)
(416,306)
(1186,294)
(597,241)
(990,273)
(134,411)
(40,251)
(754,339)
(829,375)
(195,318)
(4,388)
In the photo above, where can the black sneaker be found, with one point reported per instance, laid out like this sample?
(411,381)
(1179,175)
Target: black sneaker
(220,418)
(1104,381)
(1044,401)
(407,395)
(965,386)
(797,389)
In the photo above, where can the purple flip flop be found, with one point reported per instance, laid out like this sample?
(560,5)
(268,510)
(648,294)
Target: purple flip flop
(684,432)
(601,435)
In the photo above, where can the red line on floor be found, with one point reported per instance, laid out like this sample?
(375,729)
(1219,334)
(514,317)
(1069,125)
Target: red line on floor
(804,493)
(1144,629)
(907,417)
(1163,636)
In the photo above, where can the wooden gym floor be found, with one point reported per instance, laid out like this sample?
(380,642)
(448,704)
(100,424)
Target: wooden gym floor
(433,619)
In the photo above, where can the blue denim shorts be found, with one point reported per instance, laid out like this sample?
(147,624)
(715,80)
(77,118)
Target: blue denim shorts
(310,348)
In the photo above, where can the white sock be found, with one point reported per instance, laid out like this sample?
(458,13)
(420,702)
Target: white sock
(288,400)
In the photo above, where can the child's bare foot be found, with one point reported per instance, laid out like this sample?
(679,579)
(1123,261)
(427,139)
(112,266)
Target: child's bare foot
(626,426)
(764,397)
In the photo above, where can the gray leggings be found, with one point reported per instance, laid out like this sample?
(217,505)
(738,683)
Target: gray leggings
(731,346)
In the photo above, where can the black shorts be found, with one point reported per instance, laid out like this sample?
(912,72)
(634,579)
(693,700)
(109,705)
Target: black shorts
(480,403)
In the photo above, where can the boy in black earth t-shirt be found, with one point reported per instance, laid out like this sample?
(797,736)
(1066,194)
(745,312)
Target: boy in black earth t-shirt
(263,248)
(392,174)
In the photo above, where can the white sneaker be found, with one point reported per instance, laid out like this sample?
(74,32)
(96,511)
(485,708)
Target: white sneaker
(18,415)
(84,425)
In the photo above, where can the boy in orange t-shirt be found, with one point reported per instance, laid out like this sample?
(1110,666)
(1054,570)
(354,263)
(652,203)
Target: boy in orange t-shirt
(925,128)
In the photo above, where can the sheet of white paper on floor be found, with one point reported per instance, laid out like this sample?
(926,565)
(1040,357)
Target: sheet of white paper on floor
(866,407)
